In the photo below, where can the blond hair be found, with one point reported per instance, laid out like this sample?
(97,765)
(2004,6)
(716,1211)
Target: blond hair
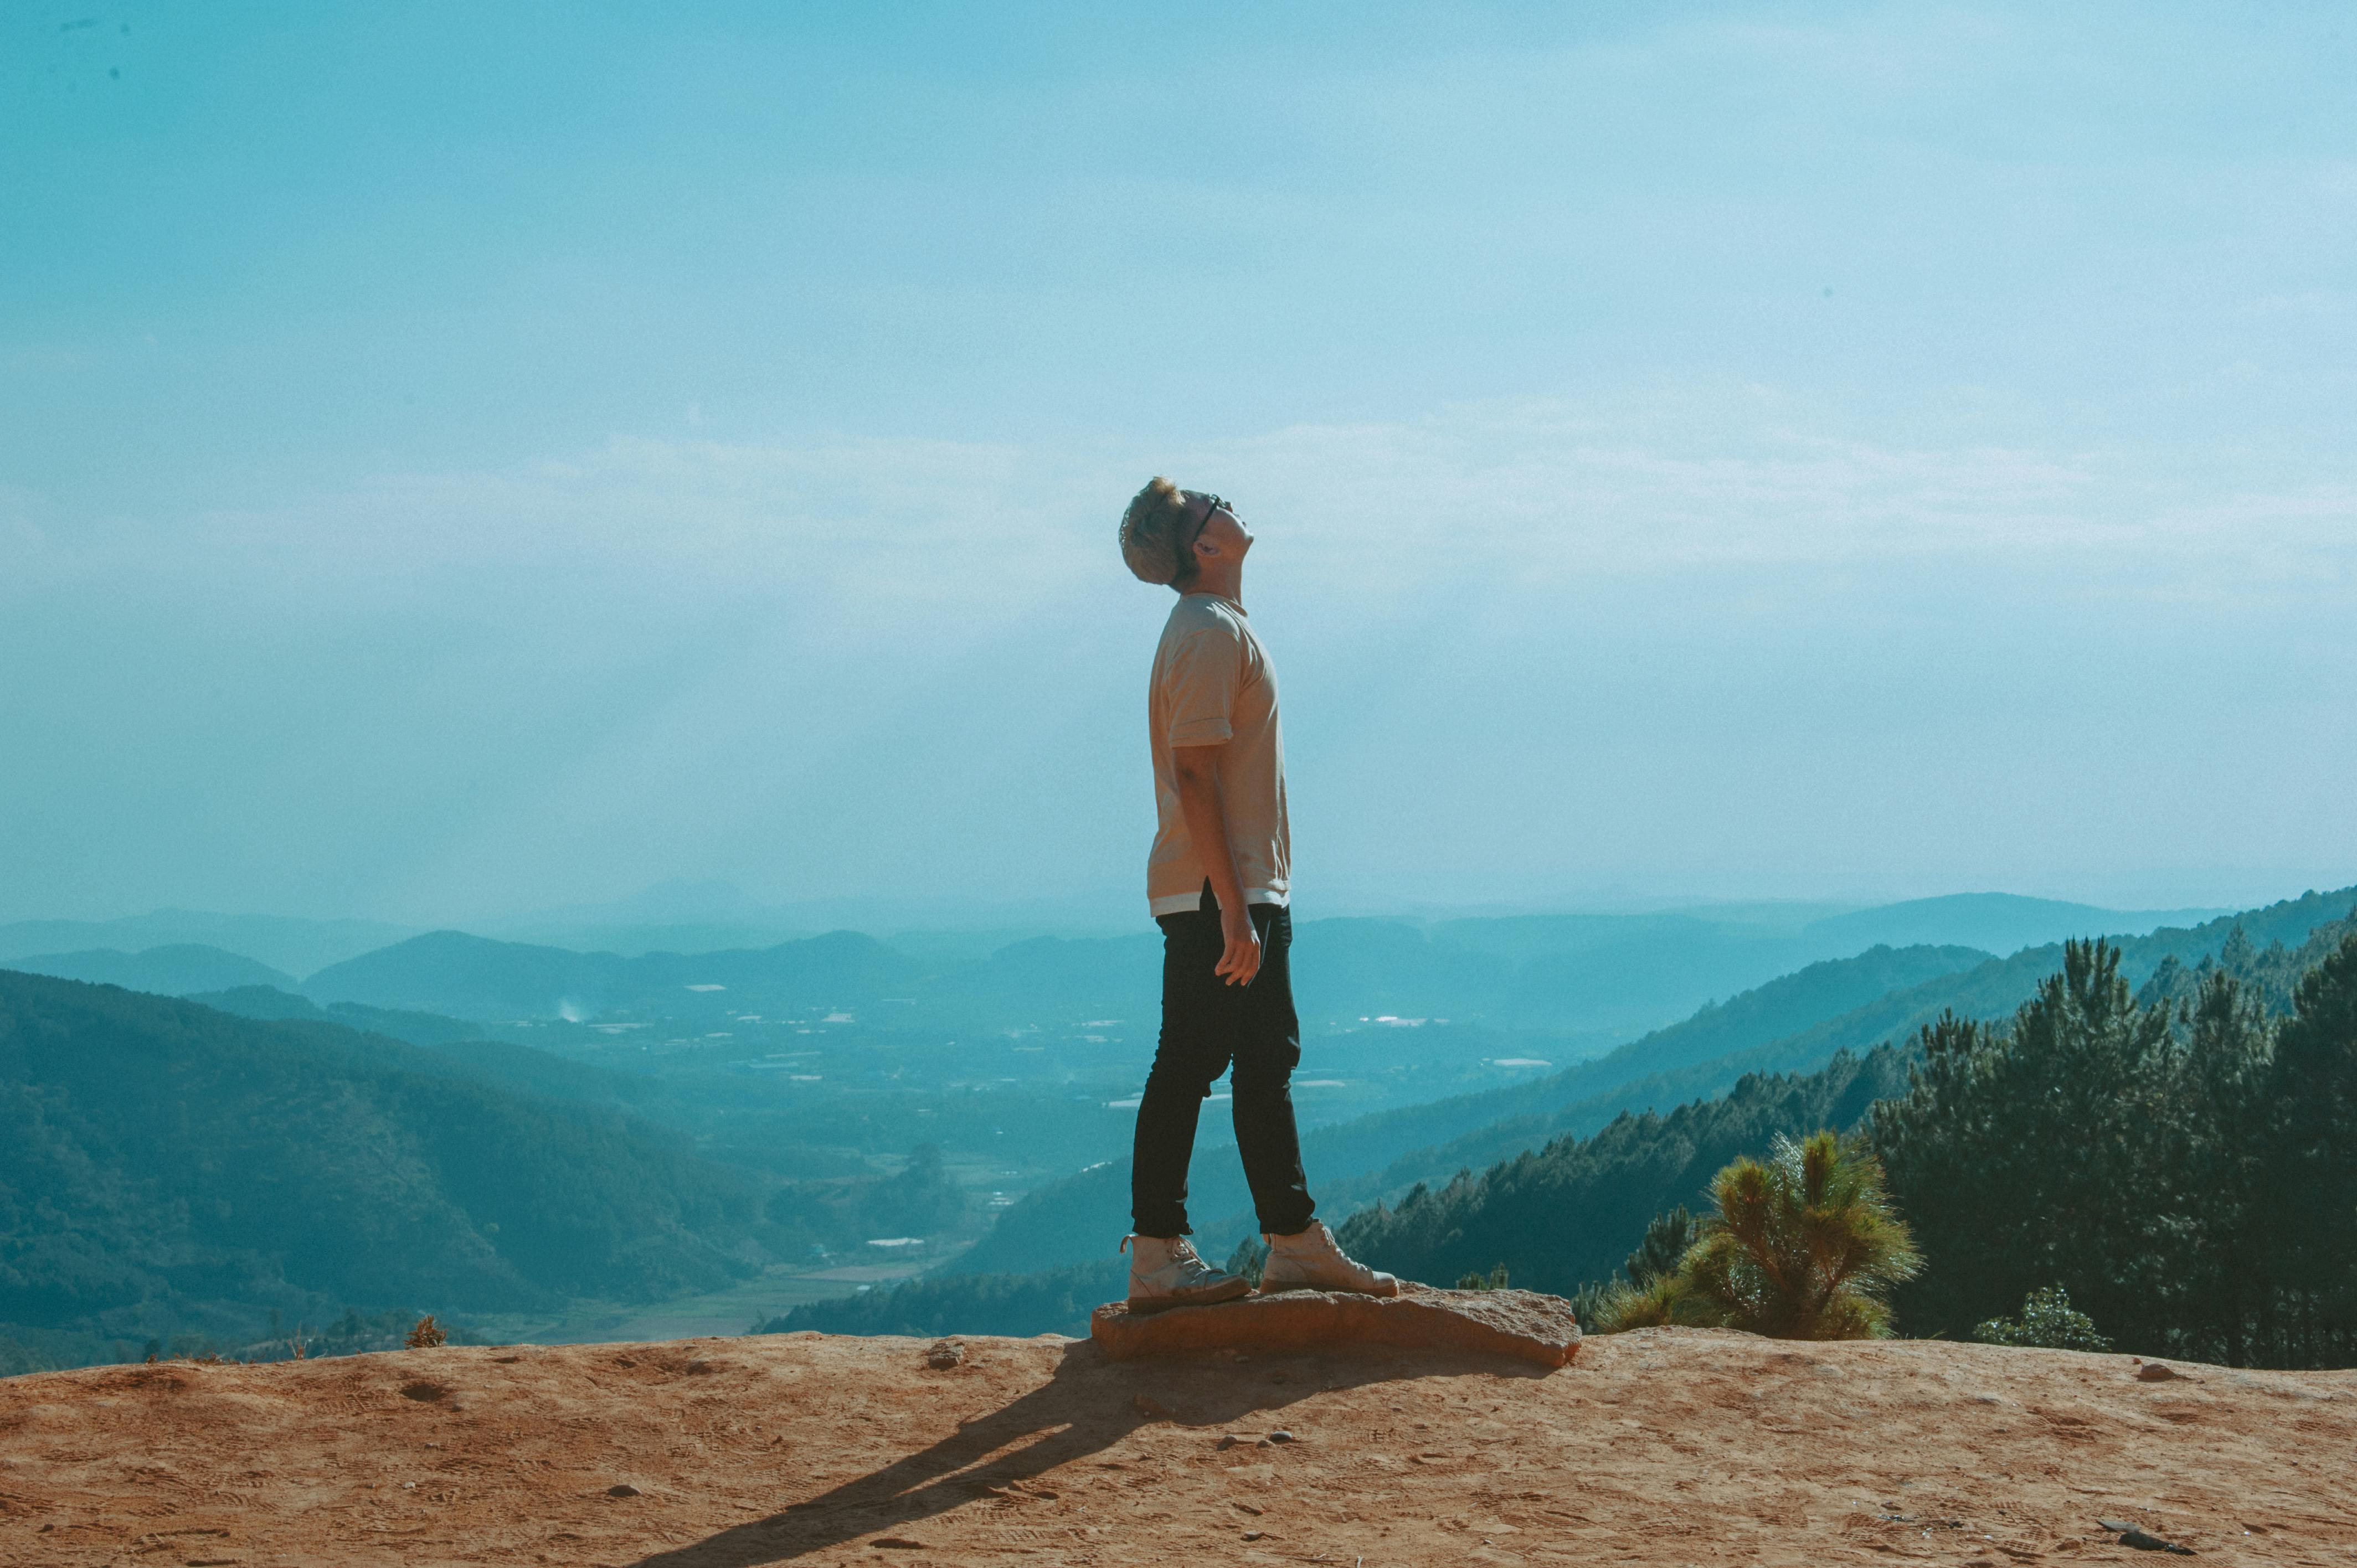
(1155,533)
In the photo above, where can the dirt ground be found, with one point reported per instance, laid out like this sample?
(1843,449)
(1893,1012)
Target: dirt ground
(1665,1446)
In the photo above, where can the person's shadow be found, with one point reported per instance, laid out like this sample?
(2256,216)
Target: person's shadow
(1086,1407)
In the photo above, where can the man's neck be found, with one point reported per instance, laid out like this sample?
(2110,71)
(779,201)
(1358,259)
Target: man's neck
(1227,584)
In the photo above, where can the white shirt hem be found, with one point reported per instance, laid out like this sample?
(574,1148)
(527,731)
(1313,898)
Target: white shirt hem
(1180,903)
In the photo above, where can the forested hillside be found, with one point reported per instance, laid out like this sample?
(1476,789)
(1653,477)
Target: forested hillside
(1568,1213)
(2180,1163)
(273,1002)
(2183,1162)
(459,1049)
(170,1163)
(1989,990)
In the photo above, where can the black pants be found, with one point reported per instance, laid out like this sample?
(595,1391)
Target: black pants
(1208,1024)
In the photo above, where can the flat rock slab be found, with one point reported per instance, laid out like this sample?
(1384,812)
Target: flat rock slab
(1517,1323)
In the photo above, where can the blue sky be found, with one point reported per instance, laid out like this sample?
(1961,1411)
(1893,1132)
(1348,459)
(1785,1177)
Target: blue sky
(460,460)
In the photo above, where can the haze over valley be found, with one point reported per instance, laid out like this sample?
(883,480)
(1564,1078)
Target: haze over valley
(819,1117)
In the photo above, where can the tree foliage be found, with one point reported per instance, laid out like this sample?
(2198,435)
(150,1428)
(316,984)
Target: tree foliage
(2179,1161)
(2048,1321)
(1565,1214)
(1801,1245)
(1667,1239)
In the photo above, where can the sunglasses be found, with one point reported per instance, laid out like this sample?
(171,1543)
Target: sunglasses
(1218,504)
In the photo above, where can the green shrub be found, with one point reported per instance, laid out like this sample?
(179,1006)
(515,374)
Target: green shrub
(1661,1301)
(2047,1322)
(1802,1246)
(1588,1303)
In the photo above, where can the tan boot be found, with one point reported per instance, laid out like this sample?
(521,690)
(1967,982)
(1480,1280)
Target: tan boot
(1312,1260)
(1165,1271)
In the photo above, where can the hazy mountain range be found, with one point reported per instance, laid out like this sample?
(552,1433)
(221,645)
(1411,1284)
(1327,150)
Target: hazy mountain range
(356,1135)
(295,946)
(1603,976)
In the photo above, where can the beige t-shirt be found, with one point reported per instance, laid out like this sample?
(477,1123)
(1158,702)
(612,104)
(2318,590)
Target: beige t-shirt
(1213,683)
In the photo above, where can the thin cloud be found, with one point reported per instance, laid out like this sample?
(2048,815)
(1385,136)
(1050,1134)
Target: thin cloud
(1501,497)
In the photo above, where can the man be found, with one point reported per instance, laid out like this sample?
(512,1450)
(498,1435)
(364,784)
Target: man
(1218,881)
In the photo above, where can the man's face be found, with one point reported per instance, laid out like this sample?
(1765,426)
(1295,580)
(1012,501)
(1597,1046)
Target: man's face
(1220,530)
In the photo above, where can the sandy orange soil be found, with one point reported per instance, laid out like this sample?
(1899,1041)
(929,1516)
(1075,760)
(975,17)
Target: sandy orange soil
(1665,1446)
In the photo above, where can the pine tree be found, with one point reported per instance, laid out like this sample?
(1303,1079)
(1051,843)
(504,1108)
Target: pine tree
(1802,1245)
(1664,1248)
(2024,1154)
(2310,1183)
(2220,1285)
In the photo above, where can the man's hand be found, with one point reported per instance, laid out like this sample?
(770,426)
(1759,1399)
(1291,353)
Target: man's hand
(1241,961)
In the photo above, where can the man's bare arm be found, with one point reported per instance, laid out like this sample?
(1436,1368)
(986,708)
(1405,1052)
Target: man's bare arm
(1197,768)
